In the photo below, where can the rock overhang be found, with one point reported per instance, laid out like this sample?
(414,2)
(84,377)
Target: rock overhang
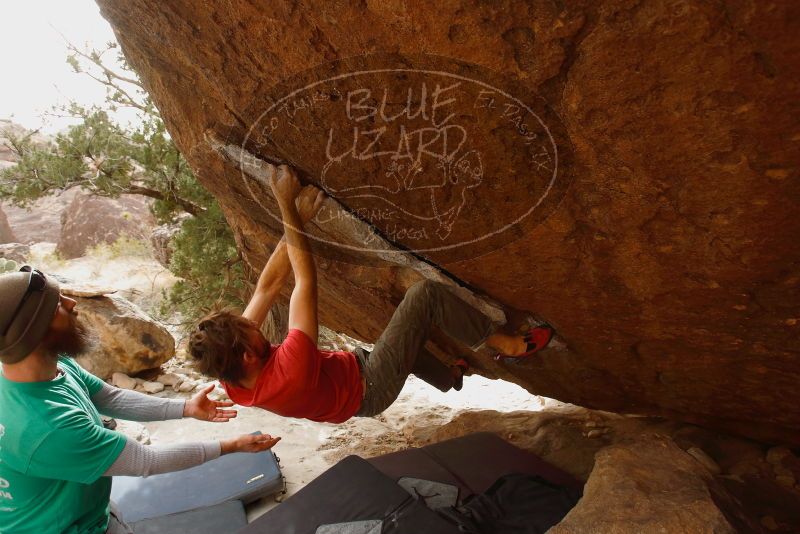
(669,264)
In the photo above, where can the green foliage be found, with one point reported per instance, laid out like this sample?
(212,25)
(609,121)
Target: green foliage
(207,261)
(8,266)
(124,247)
(105,158)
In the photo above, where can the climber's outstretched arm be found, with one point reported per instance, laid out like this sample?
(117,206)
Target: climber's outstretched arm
(276,271)
(269,285)
(303,303)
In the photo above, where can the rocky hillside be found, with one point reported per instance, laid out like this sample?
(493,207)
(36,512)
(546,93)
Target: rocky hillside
(625,170)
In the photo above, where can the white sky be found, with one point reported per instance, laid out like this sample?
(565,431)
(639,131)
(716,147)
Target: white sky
(36,75)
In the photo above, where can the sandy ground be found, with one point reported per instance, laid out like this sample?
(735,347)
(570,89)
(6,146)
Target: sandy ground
(306,448)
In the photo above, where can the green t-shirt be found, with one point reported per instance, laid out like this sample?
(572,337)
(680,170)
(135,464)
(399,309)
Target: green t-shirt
(53,452)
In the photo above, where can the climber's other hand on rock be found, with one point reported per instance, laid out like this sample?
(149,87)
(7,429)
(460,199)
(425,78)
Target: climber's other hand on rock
(309,201)
(285,185)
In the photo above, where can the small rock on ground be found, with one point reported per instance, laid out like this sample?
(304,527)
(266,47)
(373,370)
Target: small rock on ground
(123,381)
(169,379)
(186,386)
(153,387)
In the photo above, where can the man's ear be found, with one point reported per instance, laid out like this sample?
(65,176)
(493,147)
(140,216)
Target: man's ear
(249,358)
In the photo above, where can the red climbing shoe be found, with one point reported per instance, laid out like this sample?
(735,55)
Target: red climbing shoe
(463,365)
(537,338)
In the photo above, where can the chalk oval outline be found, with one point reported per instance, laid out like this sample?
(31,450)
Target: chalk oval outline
(372,226)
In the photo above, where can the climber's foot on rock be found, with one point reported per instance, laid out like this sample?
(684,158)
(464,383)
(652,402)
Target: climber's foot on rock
(535,339)
(508,345)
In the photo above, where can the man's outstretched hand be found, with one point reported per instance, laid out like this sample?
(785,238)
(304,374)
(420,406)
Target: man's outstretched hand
(309,201)
(204,409)
(248,443)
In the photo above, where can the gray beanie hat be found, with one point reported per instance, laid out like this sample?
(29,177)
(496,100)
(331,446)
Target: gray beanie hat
(21,332)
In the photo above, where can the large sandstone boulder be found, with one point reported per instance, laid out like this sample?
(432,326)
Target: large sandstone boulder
(6,233)
(648,485)
(40,222)
(127,339)
(627,171)
(90,220)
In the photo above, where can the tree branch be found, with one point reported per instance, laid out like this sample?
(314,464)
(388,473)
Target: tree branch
(229,274)
(108,72)
(186,205)
(129,100)
(18,145)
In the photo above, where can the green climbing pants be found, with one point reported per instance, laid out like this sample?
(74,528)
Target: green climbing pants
(400,350)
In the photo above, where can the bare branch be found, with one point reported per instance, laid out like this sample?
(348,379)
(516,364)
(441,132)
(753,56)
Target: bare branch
(129,99)
(108,72)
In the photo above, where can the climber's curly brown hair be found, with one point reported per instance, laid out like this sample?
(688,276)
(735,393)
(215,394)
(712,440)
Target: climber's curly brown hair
(219,342)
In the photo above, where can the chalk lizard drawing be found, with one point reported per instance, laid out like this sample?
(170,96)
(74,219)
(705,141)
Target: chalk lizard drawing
(443,171)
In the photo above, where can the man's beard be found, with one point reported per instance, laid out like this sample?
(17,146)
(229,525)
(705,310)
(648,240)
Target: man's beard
(73,342)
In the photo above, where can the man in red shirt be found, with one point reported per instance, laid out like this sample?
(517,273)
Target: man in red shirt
(295,378)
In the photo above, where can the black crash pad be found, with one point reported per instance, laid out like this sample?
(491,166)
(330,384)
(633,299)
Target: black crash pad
(359,490)
(352,490)
(473,463)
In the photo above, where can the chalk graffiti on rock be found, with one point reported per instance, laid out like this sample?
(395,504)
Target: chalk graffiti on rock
(426,156)
(429,157)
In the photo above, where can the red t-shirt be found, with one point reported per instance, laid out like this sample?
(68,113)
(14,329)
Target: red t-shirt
(299,380)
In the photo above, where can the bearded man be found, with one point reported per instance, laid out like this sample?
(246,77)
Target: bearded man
(56,458)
